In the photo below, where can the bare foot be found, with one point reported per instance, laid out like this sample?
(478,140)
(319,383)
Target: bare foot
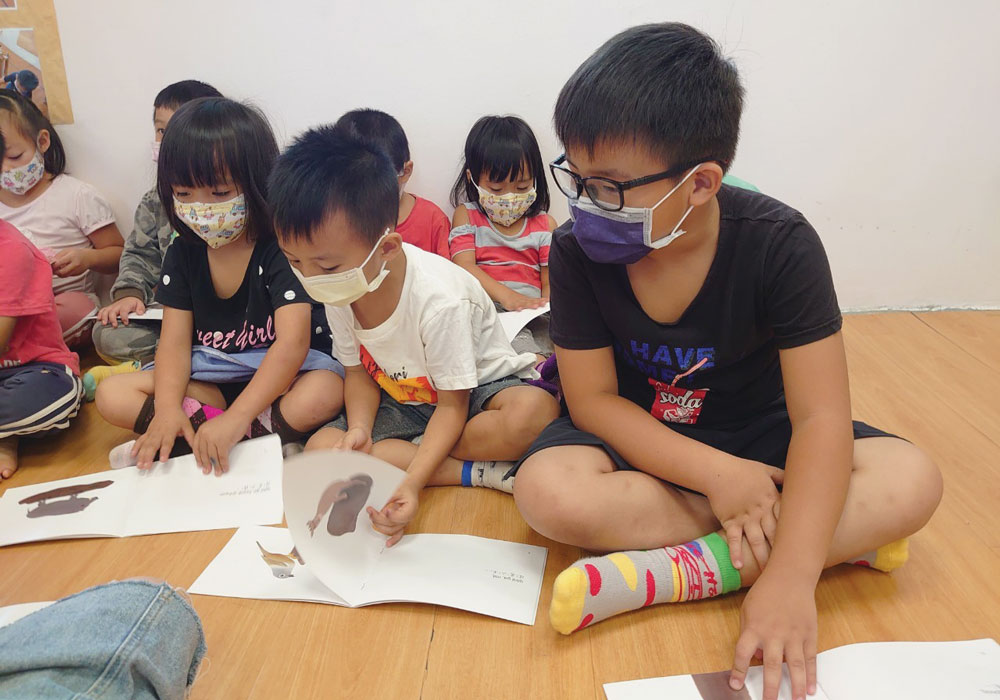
(8,457)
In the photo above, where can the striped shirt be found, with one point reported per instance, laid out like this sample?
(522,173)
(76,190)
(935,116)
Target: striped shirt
(514,261)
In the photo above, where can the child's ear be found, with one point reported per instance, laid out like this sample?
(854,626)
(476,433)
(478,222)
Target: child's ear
(44,140)
(707,181)
(407,172)
(392,245)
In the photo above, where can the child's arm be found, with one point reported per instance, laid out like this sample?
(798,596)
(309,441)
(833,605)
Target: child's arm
(7,324)
(103,257)
(545,282)
(170,379)
(443,431)
(465,257)
(281,364)
(779,613)
(361,401)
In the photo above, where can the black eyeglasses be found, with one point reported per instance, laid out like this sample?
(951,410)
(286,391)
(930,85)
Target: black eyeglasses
(606,193)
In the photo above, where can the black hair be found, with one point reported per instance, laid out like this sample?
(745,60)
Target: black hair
(378,129)
(206,139)
(665,87)
(28,80)
(501,147)
(326,170)
(182,92)
(30,122)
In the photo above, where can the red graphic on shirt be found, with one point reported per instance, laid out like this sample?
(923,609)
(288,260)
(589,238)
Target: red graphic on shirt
(403,389)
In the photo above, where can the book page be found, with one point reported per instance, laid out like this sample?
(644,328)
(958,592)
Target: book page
(326,493)
(486,576)
(514,321)
(12,613)
(177,497)
(912,670)
(703,686)
(154,312)
(93,505)
(262,563)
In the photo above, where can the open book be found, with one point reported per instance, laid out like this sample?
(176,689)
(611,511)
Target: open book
(154,312)
(12,613)
(331,554)
(174,496)
(870,671)
(514,321)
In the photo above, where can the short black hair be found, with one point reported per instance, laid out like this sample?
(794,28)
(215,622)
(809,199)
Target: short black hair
(379,129)
(30,122)
(501,147)
(182,92)
(28,80)
(209,137)
(665,87)
(326,170)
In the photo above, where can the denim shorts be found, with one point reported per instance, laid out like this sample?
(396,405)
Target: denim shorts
(406,421)
(128,639)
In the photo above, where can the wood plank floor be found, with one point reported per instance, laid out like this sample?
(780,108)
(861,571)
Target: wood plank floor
(933,378)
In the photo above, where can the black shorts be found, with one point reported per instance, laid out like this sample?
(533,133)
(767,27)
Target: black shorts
(231,390)
(764,440)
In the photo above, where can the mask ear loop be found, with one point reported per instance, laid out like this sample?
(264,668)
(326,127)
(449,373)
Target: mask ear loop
(676,232)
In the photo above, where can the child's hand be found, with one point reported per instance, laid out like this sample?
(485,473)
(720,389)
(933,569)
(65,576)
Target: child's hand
(397,513)
(779,619)
(356,440)
(160,436)
(120,310)
(72,261)
(512,301)
(214,440)
(743,500)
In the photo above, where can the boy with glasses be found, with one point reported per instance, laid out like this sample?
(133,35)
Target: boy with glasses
(698,339)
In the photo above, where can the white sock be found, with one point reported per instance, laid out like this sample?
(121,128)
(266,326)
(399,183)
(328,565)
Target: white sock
(488,474)
(121,456)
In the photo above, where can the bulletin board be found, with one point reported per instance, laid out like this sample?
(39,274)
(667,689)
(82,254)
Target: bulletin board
(29,41)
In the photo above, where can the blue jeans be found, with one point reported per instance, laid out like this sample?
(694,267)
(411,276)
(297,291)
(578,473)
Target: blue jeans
(129,639)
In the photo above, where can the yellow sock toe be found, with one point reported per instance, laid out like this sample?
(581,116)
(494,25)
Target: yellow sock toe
(569,593)
(102,372)
(892,556)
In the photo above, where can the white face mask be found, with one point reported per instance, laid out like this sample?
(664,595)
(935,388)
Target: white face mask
(156,151)
(343,288)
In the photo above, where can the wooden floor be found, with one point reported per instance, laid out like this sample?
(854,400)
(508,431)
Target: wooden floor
(933,378)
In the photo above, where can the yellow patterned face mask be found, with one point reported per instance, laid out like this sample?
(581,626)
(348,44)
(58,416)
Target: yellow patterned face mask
(505,209)
(216,223)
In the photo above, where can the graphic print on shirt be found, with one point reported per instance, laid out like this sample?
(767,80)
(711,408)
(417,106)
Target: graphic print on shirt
(400,387)
(666,366)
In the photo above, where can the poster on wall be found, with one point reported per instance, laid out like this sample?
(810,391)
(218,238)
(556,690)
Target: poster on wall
(31,59)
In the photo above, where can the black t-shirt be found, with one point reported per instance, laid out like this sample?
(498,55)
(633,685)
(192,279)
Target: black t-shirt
(769,287)
(246,319)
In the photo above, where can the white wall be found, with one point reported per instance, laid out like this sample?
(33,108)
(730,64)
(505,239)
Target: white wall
(877,120)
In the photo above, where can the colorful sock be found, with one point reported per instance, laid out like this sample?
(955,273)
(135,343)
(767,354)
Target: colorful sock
(597,588)
(491,475)
(96,375)
(885,558)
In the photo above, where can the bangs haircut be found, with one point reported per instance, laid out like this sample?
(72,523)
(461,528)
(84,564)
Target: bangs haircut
(379,129)
(209,138)
(29,122)
(182,92)
(501,148)
(326,171)
(664,87)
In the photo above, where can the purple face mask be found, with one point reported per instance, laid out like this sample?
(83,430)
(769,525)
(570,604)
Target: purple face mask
(621,237)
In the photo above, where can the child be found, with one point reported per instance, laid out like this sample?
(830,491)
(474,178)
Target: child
(420,221)
(226,286)
(117,339)
(502,233)
(40,388)
(66,219)
(698,339)
(421,340)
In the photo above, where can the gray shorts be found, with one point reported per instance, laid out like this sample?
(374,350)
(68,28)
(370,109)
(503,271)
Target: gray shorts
(406,421)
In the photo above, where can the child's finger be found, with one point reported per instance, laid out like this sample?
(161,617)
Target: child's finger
(223,462)
(758,543)
(795,658)
(734,536)
(746,645)
(810,650)
(773,653)
(394,539)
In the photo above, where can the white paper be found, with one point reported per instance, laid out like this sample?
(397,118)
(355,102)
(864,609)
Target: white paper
(12,613)
(491,577)
(514,321)
(174,496)
(154,312)
(872,671)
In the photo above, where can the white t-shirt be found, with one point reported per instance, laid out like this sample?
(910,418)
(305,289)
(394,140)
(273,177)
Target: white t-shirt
(444,334)
(62,217)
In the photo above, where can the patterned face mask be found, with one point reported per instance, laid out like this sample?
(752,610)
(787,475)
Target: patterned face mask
(21,179)
(505,209)
(216,223)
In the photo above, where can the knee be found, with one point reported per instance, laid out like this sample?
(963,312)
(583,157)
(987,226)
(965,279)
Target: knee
(107,399)
(526,418)
(324,439)
(926,486)
(542,493)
